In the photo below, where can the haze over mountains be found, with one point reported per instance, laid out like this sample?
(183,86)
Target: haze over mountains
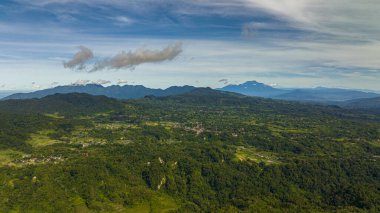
(115,91)
(341,97)
(366,103)
(319,94)
(9,92)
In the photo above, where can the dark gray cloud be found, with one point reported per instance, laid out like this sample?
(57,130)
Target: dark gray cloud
(79,59)
(54,83)
(224,81)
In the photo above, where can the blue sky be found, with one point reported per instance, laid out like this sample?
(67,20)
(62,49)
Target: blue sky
(159,43)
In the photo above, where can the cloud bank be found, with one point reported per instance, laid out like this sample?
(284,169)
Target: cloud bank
(340,18)
(123,60)
(102,82)
(82,82)
(134,58)
(79,59)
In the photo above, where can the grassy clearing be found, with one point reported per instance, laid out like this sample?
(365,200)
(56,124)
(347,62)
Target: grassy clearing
(42,139)
(162,123)
(114,126)
(158,204)
(8,155)
(80,205)
(376,143)
(151,123)
(251,122)
(83,135)
(280,129)
(251,154)
(55,115)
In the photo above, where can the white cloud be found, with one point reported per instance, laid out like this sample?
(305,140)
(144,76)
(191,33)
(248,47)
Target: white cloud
(340,33)
(54,83)
(35,85)
(353,18)
(295,10)
(101,82)
(66,18)
(81,82)
(121,81)
(273,84)
(338,17)
(123,20)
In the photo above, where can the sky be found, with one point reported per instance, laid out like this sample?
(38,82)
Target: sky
(160,43)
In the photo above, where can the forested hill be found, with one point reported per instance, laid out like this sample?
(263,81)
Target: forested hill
(207,97)
(202,151)
(366,103)
(64,104)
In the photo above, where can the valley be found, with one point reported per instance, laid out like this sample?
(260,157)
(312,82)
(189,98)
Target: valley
(197,152)
(175,106)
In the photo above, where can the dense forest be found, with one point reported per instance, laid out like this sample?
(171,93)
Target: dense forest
(203,151)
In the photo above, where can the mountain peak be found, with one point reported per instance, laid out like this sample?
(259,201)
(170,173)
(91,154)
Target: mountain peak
(253,88)
(252,83)
(256,84)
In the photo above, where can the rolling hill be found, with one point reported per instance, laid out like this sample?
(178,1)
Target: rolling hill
(65,104)
(365,103)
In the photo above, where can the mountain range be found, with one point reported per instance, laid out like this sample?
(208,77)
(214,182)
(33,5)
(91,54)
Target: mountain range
(115,91)
(332,96)
(319,94)
(365,103)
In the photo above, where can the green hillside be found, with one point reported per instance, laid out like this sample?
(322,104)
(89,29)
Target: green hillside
(204,151)
(64,104)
